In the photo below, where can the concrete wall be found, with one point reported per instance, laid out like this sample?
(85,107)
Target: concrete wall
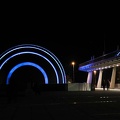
(79,87)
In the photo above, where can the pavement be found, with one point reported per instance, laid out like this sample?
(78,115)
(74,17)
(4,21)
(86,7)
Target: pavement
(57,105)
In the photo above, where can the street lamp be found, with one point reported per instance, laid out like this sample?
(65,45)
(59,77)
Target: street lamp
(95,77)
(73,64)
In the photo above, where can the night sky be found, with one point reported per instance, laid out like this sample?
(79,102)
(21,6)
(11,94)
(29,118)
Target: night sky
(71,37)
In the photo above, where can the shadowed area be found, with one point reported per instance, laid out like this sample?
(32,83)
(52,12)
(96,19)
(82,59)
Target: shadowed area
(59,105)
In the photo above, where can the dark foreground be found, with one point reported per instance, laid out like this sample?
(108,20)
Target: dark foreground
(59,105)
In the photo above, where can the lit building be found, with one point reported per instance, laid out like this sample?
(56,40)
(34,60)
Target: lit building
(97,67)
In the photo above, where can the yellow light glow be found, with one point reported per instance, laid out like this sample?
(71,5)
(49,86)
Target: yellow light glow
(73,63)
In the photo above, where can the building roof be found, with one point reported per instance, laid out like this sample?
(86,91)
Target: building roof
(103,62)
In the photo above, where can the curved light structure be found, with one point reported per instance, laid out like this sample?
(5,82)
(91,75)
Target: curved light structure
(29,49)
(27,52)
(118,54)
(27,64)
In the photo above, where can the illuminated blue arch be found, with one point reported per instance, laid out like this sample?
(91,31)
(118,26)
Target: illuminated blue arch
(26,64)
(20,53)
(118,54)
(4,58)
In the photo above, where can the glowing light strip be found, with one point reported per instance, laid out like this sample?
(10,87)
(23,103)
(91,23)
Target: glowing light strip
(29,64)
(35,47)
(34,54)
(118,54)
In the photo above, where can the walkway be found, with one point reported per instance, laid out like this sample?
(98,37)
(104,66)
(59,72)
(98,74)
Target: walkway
(92,105)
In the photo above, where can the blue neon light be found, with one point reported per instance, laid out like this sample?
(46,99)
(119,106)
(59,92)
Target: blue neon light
(38,48)
(118,54)
(27,64)
(34,54)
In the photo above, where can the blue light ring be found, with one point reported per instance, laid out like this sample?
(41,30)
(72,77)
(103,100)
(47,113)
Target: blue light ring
(39,48)
(24,64)
(34,54)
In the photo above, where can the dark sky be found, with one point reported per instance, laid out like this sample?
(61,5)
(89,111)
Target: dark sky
(71,36)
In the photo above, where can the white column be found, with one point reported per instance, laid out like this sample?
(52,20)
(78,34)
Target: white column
(100,79)
(112,83)
(89,78)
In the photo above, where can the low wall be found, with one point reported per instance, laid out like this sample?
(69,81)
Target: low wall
(117,86)
(41,87)
(53,87)
(79,87)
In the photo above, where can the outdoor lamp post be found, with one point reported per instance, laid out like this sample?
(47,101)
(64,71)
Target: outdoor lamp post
(95,77)
(73,64)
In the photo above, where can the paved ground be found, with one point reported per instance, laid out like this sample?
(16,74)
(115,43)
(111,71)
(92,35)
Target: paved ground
(91,105)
